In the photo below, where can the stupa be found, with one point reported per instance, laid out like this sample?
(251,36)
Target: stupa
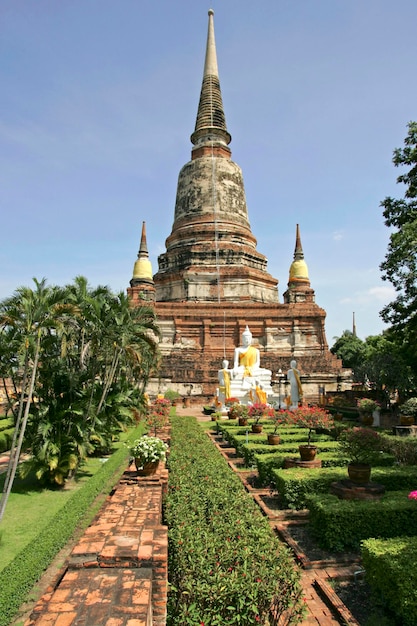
(212,282)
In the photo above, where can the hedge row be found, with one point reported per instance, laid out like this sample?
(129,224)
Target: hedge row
(6,422)
(17,578)
(341,525)
(225,564)
(6,437)
(391,570)
(295,484)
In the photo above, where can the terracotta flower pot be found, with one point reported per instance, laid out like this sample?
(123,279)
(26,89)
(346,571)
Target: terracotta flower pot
(359,473)
(256,428)
(307,453)
(243,421)
(406,420)
(273,439)
(146,469)
(367,419)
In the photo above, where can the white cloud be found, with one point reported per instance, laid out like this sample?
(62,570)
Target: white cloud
(338,235)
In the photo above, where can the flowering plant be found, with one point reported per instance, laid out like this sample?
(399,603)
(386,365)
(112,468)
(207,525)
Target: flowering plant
(412,495)
(231,401)
(157,414)
(160,406)
(238,410)
(259,409)
(281,417)
(360,445)
(148,449)
(311,417)
(366,405)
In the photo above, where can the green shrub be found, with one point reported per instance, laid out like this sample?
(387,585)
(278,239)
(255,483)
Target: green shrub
(404,449)
(6,423)
(225,565)
(295,484)
(6,437)
(391,571)
(341,525)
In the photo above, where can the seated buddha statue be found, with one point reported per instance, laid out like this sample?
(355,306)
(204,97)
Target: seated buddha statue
(247,358)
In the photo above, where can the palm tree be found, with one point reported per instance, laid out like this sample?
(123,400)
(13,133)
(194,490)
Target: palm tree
(27,317)
(87,355)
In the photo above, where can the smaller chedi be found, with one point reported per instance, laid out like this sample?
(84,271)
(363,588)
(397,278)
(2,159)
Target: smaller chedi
(247,380)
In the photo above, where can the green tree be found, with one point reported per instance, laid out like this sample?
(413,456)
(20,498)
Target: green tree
(400,264)
(26,319)
(351,350)
(385,365)
(86,355)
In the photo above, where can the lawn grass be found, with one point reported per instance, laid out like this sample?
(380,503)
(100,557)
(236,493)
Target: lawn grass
(31,507)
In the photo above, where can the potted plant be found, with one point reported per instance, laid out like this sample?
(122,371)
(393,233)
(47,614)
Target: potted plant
(362,447)
(408,411)
(147,452)
(310,418)
(256,412)
(280,417)
(240,412)
(366,408)
(157,414)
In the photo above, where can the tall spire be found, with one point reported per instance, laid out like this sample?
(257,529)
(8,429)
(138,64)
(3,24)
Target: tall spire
(298,269)
(142,270)
(210,127)
(298,283)
(211,252)
(142,287)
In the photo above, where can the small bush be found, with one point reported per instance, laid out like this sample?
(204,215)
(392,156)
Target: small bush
(341,525)
(391,571)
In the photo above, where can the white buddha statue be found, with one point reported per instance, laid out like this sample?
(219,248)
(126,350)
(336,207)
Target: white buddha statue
(248,381)
(247,358)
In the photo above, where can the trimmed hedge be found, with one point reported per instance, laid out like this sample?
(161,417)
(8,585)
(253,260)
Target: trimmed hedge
(6,437)
(17,578)
(225,564)
(295,484)
(341,525)
(391,571)
(249,451)
(6,422)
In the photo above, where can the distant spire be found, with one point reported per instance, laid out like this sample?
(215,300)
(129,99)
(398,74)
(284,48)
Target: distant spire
(210,126)
(143,248)
(354,326)
(298,251)
(142,270)
(298,269)
(299,289)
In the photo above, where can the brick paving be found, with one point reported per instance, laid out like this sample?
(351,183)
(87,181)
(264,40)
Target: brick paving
(116,574)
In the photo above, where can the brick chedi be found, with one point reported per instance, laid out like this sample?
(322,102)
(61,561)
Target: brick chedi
(212,281)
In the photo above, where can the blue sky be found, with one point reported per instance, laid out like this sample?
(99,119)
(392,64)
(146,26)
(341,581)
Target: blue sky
(99,99)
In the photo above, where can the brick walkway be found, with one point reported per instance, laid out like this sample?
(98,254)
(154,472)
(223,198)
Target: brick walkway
(116,575)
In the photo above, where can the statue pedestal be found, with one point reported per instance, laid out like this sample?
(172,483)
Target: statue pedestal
(243,388)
